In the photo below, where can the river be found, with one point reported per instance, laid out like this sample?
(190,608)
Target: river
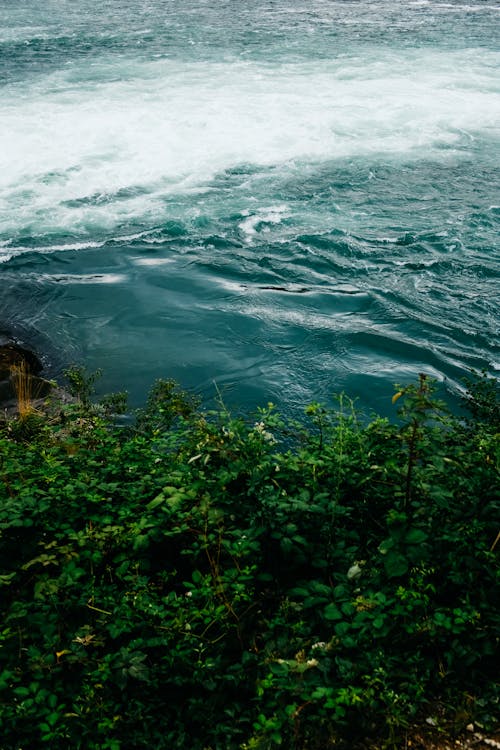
(280,199)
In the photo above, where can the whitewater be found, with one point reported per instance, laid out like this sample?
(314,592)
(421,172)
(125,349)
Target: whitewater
(281,199)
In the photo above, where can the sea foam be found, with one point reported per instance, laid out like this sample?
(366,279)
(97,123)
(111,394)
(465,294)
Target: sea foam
(96,146)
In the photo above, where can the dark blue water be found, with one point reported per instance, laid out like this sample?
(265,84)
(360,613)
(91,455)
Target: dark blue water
(287,199)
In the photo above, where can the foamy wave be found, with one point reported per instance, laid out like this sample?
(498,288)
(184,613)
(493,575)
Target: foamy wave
(65,247)
(80,154)
(257,221)
(48,249)
(152,262)
(72,246)
(467,8)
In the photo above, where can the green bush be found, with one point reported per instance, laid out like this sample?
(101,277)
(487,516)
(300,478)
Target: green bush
(206,582)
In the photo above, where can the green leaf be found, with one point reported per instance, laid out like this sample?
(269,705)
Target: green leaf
(342,628)
(395,565)
(6,579)
(415,536)
(279,667)
(158,500)
(385,546)
(332,612)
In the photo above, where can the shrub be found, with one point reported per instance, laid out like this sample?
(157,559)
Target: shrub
(203,581)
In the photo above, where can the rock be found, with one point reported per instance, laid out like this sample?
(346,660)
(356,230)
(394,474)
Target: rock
(13,355)
(37,389)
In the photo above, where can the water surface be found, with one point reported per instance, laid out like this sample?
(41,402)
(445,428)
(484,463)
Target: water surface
(285,198)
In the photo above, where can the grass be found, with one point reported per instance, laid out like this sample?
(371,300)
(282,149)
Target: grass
(22,382)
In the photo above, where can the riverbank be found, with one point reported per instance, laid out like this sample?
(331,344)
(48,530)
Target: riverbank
(23,389)
(198,580)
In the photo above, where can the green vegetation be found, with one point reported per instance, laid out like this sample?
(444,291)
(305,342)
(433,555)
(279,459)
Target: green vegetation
(198,581)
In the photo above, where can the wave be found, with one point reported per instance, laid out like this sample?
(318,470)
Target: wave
(82,154)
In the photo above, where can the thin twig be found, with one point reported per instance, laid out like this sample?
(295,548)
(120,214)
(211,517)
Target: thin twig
(495,542)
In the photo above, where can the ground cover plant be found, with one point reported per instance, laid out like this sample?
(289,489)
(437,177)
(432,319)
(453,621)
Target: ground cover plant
(204,581)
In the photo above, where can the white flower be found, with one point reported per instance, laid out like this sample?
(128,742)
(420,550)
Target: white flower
(260,428)
(354,571)
(320,644)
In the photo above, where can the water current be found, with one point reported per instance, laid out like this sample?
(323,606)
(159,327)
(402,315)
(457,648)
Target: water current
(284,198)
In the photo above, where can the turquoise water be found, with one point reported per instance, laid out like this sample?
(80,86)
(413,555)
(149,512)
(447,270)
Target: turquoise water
(287,199)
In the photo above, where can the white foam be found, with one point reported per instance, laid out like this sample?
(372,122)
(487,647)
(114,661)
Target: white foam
(48,249)
(263,216)
(231,286)
(166,127)
(467,8)
(91,278)
(72,246)
(153,262)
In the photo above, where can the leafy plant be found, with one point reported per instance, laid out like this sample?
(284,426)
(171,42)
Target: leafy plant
(199,580)
(81,383)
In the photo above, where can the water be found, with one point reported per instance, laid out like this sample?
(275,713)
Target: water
(287,199)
